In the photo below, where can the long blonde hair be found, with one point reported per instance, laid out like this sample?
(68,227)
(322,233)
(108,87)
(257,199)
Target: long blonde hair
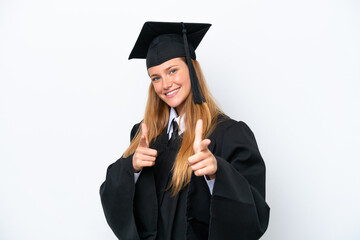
(157,117)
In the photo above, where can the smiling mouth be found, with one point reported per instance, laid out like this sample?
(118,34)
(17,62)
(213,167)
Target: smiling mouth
(172,92)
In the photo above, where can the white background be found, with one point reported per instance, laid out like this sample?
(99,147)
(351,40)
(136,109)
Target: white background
(69,97)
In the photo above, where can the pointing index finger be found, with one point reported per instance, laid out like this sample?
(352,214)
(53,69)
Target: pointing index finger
(198,131)
(144,141)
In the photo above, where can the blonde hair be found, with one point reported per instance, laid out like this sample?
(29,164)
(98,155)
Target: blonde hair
(156,119)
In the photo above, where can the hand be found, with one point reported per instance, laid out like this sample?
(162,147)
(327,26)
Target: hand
(143,156)
(203,161)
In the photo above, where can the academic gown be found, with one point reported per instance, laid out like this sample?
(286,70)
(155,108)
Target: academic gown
(235,210)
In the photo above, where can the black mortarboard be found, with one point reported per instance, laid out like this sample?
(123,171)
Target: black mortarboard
(159,42)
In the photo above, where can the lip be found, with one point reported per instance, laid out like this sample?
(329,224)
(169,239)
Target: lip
(173,94)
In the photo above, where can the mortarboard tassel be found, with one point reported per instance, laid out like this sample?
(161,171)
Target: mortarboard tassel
(195,87)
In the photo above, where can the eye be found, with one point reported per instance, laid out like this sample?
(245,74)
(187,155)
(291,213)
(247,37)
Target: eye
(155,78)
(172,71)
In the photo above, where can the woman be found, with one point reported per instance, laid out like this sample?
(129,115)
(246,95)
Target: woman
(190,171)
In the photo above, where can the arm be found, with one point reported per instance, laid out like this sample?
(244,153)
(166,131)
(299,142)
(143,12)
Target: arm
(238,208)
(117,195)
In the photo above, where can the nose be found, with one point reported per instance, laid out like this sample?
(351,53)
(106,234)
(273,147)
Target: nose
(167,83)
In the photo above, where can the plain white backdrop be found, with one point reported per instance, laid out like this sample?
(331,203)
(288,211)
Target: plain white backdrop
(69,97)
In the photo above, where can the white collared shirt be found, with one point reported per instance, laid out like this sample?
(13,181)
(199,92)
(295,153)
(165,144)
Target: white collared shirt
(173,115)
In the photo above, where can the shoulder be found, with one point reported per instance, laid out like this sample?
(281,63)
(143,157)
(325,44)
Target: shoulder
(234,137)
(224,122)
(227,126)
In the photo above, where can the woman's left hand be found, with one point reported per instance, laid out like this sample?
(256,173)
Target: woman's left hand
(203,161)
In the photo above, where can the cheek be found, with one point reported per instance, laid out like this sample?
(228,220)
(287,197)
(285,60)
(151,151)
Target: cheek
(183,80)
(187,84)
(157,87)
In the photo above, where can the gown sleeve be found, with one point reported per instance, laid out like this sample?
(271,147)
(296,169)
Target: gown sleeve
(238,209)
(117,194)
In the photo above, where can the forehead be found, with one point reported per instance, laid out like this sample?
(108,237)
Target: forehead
(166,65)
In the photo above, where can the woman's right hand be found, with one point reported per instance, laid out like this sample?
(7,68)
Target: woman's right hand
(143,156)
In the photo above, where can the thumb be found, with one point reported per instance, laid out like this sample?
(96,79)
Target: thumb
(198,135)
(144,141)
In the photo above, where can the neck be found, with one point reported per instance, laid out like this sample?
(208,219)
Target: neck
(179,110)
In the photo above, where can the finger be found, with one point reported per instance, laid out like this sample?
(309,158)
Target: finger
(198,134)
(142,143)
(200,156)
(144,132)
(147,151)
(142,157)
(146,164)
(203,146)
(199,165)
(208,170)
(198,130)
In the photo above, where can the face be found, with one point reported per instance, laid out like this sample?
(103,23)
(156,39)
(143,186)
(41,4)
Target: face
(171,82)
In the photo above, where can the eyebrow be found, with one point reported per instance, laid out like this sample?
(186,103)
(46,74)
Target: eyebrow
(166,69)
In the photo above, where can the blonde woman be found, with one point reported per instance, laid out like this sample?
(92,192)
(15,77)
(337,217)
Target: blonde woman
(190,171)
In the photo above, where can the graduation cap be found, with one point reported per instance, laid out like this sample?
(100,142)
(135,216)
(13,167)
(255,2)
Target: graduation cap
(159,42)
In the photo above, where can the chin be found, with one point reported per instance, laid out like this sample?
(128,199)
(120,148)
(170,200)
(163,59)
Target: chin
(172,105)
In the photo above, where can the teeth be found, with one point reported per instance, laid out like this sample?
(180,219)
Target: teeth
(167,94)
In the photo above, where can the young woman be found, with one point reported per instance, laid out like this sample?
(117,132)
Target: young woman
(190,171)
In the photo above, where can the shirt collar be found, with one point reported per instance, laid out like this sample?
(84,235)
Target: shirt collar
(174,115)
